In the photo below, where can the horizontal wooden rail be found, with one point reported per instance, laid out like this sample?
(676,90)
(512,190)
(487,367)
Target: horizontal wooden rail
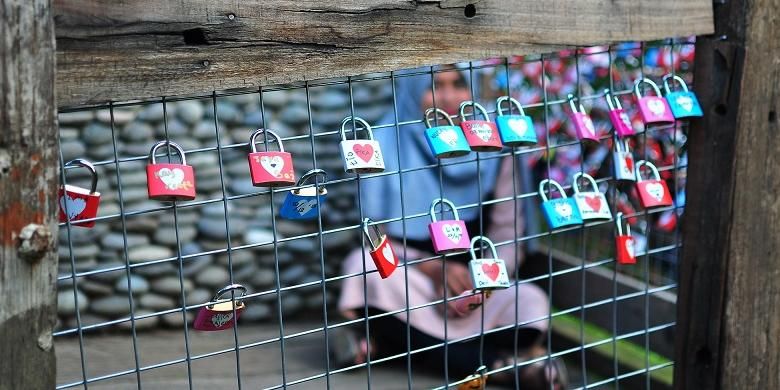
(135,49)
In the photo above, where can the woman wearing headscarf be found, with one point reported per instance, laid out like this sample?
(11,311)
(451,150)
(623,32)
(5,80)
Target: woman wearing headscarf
(522,309)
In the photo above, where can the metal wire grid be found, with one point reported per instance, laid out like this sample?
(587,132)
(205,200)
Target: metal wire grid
(321,234)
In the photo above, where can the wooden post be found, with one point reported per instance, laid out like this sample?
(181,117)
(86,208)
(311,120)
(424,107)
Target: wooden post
(28,187)
(728,333)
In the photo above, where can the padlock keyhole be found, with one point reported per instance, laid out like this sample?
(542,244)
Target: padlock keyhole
(470,11)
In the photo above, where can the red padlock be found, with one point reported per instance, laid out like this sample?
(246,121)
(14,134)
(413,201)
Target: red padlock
(270,169)
(624,243)
(220,314)
(169,181)
(621,122)
(482,135)
(381,251)
(78,203)
(583,125)
(652,192)
(653,109)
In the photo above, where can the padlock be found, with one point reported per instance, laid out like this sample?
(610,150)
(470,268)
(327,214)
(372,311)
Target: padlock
(445,141)
(481,135)
(621,122)
(592,205)
(490,273)
(623,161)
(381,251)
(302,203)
(652,192)
(169,181)
(78,203)
(515,130)
(652,109)
(219,313)
(583,124)
(684,104)
(475,381)
(624,243)
(361,155)
(270,169)
(560,212)
(449,236)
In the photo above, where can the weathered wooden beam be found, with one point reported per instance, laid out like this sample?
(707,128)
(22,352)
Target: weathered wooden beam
(28,189)
(728,332)
(108,50)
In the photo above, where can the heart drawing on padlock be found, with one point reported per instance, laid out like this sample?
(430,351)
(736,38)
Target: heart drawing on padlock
(272,165)
(519,126)
(387,254)
(364,151)
(594,202)
(629,167)
(304,206)
(589,124)
(482,131)
(656,190)
(563,210)
(656,106)
(626,120)
(491,270)
(630,247)
(685,102)
(74,205)
(453,232)
(449,136)
(172,178)
(220,319)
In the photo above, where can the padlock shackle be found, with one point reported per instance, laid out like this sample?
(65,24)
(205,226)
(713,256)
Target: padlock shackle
(571,98)
(581,175)
(227,289)
(171,144)
(511,101)
(676,78)
(377,232)
(552,183)
(314,172)
(436,112)
(253,137)
(360,120)
(86,164)
(485,240)
(475,106)
(612,100)
(647,81)
(443,202)
(621,144)
(653,169)
(619,224)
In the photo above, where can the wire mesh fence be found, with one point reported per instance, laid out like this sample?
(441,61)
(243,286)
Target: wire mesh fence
(131,286)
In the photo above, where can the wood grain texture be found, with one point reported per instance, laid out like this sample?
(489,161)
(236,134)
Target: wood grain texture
(729,301)
(108,50)
(28,188)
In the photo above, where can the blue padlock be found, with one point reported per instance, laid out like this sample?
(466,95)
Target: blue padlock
(515,130)
(684,104)
(560,212)
(303,201)
(445,141)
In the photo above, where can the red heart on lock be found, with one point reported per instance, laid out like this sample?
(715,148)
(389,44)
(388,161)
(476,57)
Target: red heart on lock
(364,151)
(491,270)
(594,202)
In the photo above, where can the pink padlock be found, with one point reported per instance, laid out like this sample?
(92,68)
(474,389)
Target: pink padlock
(220,314)
(270,169)
(624,243)
(169,181)
(78,203)
(621,122)
(449,236)
(582,122)
(653,109)
(482,135)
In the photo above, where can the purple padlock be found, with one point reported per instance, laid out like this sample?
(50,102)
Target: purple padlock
(583,125)
(653,109)
(621,122)
(220,314)
(449,236)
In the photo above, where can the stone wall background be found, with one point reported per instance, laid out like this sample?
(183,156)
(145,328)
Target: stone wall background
(150,227)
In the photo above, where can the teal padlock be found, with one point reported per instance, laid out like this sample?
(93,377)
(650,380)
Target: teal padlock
(684,104)
(445,141)
(515,130)
(560,212)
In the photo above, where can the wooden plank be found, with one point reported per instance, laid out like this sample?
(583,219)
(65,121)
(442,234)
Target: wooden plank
(729,299)
(28,187)
(108,50)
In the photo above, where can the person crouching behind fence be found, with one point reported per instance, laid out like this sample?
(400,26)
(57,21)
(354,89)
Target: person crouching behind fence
(464,184)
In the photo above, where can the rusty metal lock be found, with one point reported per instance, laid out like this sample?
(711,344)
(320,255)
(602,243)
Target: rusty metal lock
(482,135)
(445,141)
(621,122)
(381,251)
(583,124)
(78,203)
(270,169)
(653,109)
(166,181)
(361,156)
(220,314)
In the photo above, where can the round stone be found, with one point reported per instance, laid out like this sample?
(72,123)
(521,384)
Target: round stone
(69,133)
(214,277)
(103,152)
(238,258)
(292,274)
(260,236)
(275,99)
(170,285)
(227,112)
(80,252)
(142,323)
(256,312)
(199,295)
(137,132)
(263,279)
(75,118)
(138,283)
(97,134)
(111,306)
(95,289)
(216,229)
(156,270)
(176,129)
(66,302)
(175,320)
(291,304)
(116,241)
(149,253)
(156,302)
(77,236)
(72,149)
(330,99)
(153,112)
(190,111)
(121,115)
(117,271)
(166,235)
(253,119)
(295,115)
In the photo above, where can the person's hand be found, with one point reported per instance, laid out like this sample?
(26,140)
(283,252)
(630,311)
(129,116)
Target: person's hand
(457,279)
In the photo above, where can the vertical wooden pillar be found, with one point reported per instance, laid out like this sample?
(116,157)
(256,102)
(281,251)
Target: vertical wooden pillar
(28,187)
(728,333)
